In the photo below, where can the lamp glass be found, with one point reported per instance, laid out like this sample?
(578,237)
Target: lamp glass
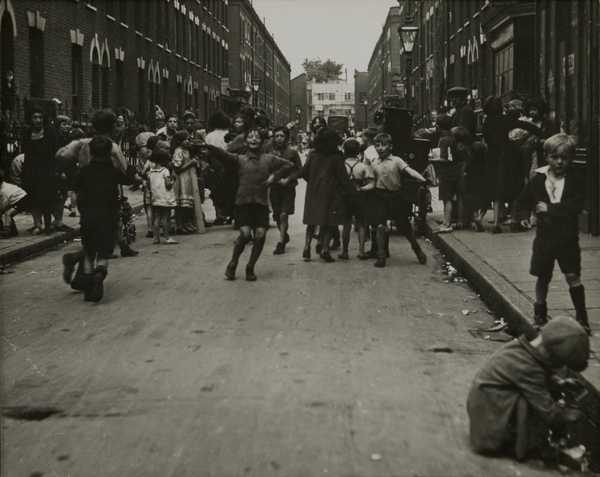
(408,35)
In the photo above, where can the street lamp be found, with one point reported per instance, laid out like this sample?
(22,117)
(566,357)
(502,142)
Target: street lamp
(366,104)
(408,35)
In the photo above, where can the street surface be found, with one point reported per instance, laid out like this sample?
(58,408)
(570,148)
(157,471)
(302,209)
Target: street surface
(316,369)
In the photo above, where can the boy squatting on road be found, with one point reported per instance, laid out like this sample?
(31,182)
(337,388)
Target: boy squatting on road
(257,171)
(510,406)
(558,198)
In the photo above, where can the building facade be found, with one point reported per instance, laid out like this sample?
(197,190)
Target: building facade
(332,98)
(259,71)
(89,54)
(361,99)
(385,65)
(300,101)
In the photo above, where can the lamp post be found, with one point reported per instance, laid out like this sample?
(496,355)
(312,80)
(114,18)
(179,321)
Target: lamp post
(255,88)
(408,34)
(366,104)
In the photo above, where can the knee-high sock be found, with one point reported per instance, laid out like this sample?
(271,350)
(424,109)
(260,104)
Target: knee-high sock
(257,249)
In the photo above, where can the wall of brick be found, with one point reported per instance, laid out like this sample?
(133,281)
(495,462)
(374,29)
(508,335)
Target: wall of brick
(155,46)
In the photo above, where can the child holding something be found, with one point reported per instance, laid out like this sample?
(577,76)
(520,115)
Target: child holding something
(557,198)
(510,406)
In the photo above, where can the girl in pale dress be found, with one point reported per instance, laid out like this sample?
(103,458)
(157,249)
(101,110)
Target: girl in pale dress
(183,165)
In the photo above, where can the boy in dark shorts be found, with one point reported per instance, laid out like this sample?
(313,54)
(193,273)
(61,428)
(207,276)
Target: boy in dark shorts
(389,200)
(256,171)
(98,200)
(282,193)
(359,203)
(557,198)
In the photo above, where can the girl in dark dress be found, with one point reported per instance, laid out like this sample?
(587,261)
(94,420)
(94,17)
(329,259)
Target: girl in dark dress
(40,178)
(98,195)
(328,181)
(495,134)
(472,155)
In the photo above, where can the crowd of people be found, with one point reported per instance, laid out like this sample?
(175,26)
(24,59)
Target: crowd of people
(519,168)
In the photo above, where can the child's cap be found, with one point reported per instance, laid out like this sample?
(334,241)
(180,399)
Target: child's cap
(567,343)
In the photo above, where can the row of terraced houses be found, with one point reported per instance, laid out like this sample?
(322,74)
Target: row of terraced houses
(198,55)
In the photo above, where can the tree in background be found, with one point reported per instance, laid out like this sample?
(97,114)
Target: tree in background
(322,71)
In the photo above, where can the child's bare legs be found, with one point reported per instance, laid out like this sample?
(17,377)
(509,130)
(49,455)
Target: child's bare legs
(362,238)
(326,234)
(149,220)
(346,230)
(577,292)
(283,227)
(257,248)
(310,231)
(36,214)
(448,210)
(238,248)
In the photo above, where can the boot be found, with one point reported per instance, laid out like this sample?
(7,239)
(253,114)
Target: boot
(95,291)
(540,314)
(81,281)
(578,297)
(69,261)
(238,249)
(127,251)
(421,257)
(381,237)
(257,248)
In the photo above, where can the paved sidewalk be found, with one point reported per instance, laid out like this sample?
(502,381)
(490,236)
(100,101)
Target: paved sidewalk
(498,267)
(25,245)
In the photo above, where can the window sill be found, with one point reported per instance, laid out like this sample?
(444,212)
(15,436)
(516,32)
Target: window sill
(139,33)
(91,7)
(160,46)
(124,25)
(148,39)
(111,18)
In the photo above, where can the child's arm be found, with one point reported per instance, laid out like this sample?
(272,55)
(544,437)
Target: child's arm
(169,180)
(278,167)
(414,174)
(222,155)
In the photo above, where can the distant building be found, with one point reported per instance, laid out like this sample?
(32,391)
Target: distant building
(259,71)
(361,101)
(331,98)
(300,101)
(385,66)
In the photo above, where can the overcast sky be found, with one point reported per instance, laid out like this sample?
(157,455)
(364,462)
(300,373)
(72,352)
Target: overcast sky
(344,30)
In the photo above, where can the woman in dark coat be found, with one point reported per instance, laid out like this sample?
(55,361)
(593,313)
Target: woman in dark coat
(327,182)
(495,134)
(40,178)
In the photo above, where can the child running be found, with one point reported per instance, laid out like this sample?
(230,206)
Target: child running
(359,203)
(256,172)
(163,197)
(390,203)
(98,200)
